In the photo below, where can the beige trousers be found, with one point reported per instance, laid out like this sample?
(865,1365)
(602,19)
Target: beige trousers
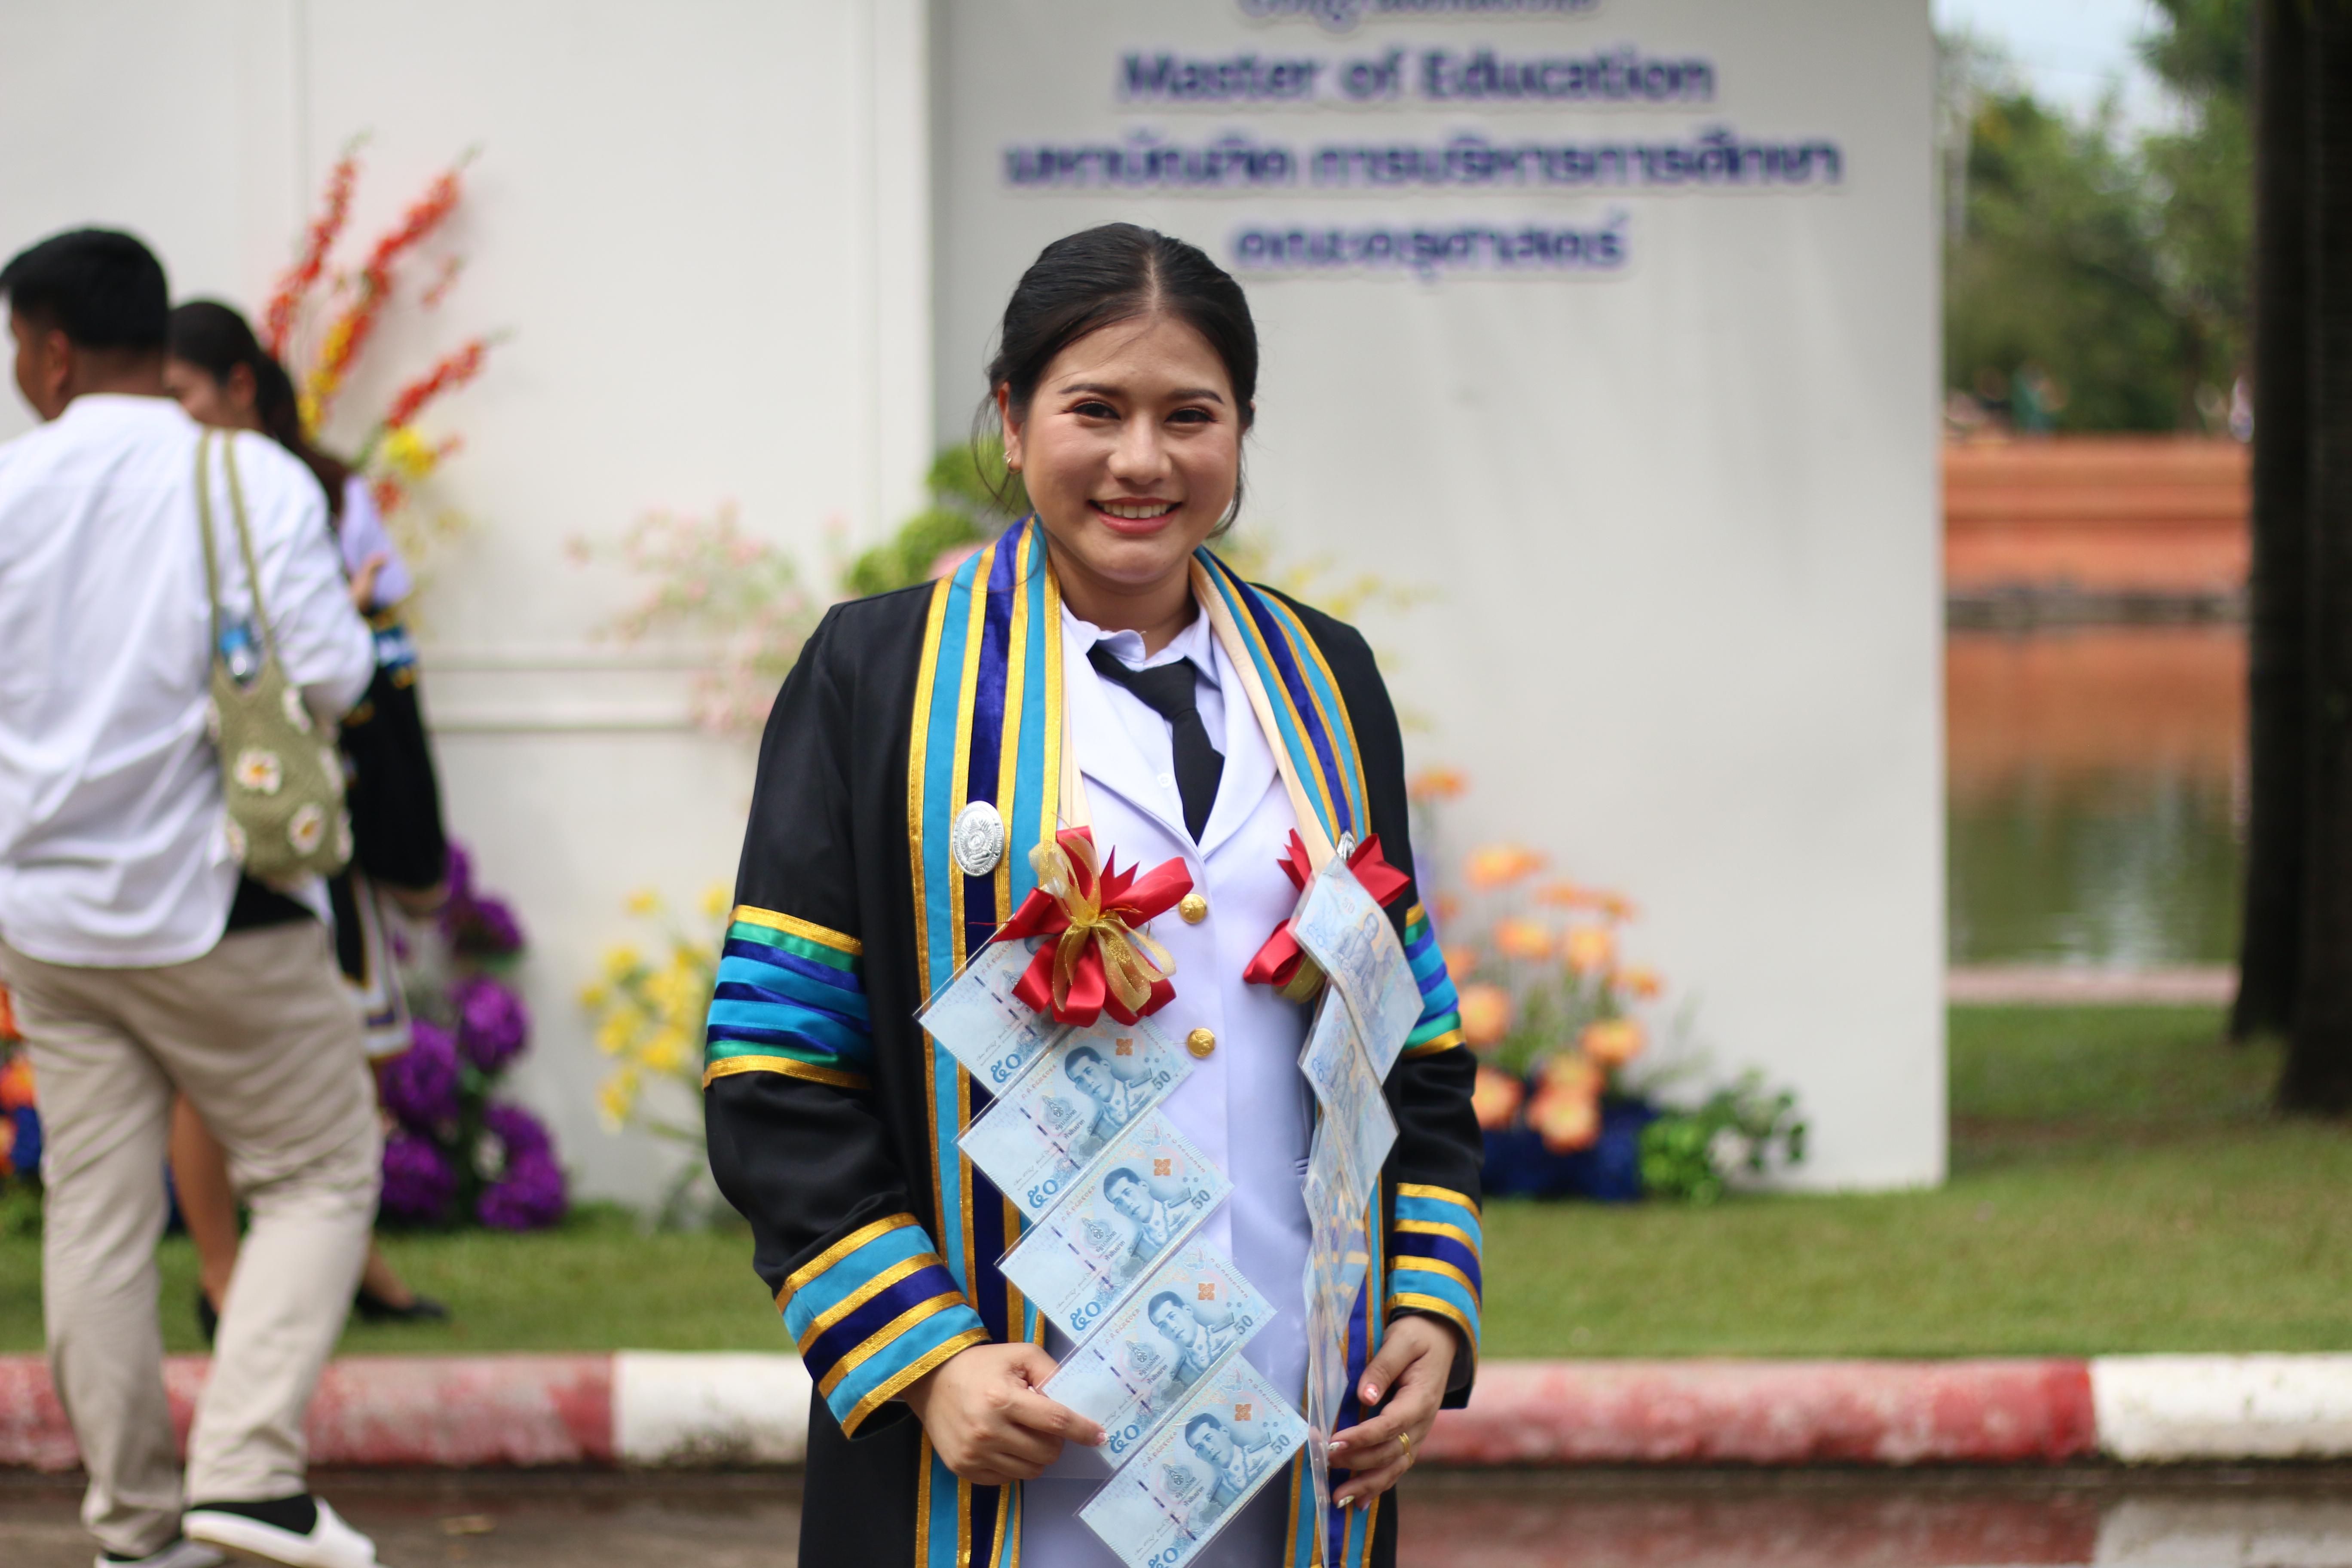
(262,1036)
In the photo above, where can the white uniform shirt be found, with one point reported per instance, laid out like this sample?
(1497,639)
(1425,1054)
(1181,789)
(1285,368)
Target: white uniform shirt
(1246,1106)
(113,852)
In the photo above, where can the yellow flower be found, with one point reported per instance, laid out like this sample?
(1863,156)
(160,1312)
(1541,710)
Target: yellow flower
(1486,1015)
(619,1030)
(1523,938)
(1499,865)
(621,963)
(666,1052)
(408,454)
(1611,1042)
(594,996)
(645,902)
(616,1097)
(717,900)
(1589,949)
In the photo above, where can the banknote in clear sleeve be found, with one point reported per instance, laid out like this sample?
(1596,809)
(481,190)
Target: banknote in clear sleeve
(1195,1310)
(1143,1196)
(1050,1125)
(1350,936)
(995,1034)
(1356,1123)
(1231,1435)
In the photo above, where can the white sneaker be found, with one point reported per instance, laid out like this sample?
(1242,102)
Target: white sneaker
(181,1554)
(332,1544)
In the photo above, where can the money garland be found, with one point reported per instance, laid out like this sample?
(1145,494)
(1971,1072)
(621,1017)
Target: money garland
(1112,1193)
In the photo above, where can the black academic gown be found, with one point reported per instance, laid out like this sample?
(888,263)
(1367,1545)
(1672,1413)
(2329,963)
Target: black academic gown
(823,1130)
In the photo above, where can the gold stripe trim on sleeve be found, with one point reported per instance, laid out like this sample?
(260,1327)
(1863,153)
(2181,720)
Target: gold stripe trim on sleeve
(790,1067)
(792,925)
(837,1252)
(899,1381)
(1443,1194)
(887,1335)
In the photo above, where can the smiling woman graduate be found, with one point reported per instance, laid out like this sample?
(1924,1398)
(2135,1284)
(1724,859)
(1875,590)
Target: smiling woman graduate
(1099,665)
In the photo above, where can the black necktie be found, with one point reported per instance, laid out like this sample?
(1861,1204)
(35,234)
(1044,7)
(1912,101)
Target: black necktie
(1167,691)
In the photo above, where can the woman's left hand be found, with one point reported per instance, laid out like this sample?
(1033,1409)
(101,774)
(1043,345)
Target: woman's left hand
(1415,1361)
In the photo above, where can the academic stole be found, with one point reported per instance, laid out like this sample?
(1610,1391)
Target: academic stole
(988,724)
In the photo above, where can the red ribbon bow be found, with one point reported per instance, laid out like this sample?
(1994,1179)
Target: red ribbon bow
(1281,962)
(1100,962)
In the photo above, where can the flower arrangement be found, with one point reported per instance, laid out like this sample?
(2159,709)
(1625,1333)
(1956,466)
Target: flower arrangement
(648,1013)
(320,319)
(455,1151)
(20,1132)
(743,594)
(1559,1016)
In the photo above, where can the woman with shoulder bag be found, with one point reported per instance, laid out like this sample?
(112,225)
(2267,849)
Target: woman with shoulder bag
(224,377)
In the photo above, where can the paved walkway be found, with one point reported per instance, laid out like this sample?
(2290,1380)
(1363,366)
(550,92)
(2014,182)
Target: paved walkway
(2050,986)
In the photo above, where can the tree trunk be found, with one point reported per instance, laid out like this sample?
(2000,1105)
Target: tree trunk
(2318,1076)
(2278,583)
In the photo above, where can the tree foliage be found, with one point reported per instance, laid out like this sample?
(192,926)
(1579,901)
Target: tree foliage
(2095,281)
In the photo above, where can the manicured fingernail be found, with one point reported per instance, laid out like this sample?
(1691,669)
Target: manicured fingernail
(1372,1391)
(1339,1445)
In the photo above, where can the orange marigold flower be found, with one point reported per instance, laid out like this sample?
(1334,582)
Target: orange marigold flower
(1566,1121)
(1616,906)
(1495,1098)
(16,1083)
(1438,783)
(1611,1042)
(1569,1074)
(1446,907)
(1561,893)
(1524,939)
(1589,949)
(1486,1015)
(1641,980)
(1499,865)
(1461,959)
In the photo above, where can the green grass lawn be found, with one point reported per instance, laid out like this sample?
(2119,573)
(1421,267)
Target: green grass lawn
(2117,1184)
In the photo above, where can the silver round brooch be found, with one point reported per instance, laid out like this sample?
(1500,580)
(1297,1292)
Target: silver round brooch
(977,841)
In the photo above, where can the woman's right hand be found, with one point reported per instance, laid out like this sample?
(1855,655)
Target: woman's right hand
(986,1419)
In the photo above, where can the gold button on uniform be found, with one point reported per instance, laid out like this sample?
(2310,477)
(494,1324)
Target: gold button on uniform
(1193,907)
(1200,1042)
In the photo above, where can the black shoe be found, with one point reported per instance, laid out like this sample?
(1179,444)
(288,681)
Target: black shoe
(207,1316)
(374,1309)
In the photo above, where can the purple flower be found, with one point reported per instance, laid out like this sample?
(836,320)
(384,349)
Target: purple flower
(420,1085)
(460,875)
(519,1132)
(482,928)
(419,1180)
(493,1026)
(529,1196)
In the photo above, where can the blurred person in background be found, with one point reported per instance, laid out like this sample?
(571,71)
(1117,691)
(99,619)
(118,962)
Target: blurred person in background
(142,962)
(221,374)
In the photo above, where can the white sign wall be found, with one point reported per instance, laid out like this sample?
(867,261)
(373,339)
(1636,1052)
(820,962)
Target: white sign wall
(1612,322)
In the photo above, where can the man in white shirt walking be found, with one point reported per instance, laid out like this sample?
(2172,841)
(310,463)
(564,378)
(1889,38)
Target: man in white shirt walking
(140,958)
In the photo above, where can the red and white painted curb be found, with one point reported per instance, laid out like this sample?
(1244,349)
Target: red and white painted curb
(646,1408)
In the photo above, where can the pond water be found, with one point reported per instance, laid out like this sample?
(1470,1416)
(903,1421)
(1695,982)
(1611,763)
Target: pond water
(2288,1515)
(2096,787)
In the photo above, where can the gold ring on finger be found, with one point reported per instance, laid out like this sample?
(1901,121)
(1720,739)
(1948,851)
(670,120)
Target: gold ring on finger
(1406,1438)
